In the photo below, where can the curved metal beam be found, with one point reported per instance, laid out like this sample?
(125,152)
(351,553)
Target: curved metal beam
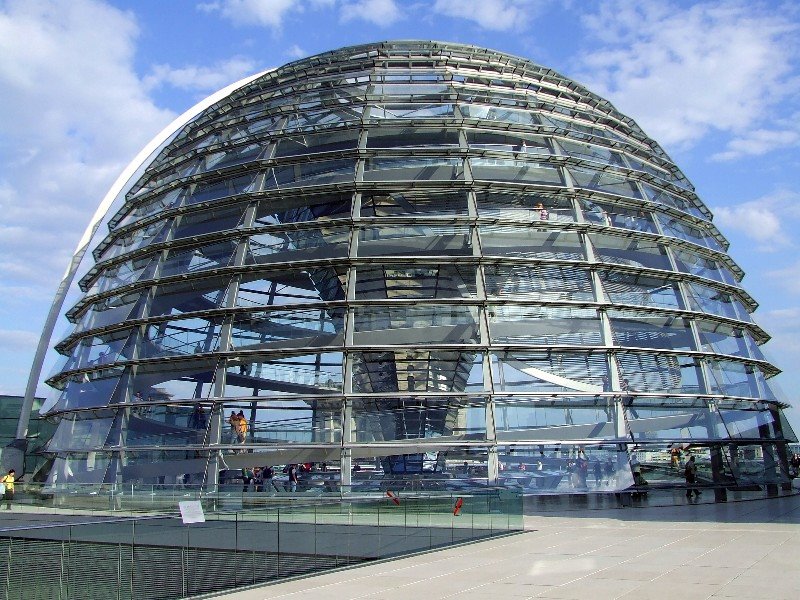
(120,187)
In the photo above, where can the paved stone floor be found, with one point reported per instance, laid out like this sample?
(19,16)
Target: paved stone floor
(740,550)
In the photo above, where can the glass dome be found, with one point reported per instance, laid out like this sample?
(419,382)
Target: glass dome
(421,261)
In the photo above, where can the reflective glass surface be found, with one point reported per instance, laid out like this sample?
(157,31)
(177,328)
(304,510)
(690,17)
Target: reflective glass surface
(400,258)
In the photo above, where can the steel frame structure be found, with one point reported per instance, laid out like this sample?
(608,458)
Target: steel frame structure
(418,253)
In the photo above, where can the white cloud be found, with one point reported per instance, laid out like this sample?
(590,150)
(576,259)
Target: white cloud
(783,350)
(18,340)
(760,141)
(296,51)
(194,77)
(266,13)
(379,12)
(769,221)
(683,72)
(273,13)
(496,15)
(74,113)
(787,277)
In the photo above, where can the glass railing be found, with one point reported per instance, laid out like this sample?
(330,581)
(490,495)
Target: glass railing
(234,495)
(161,557)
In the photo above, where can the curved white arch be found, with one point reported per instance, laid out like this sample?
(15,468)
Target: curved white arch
(120,187)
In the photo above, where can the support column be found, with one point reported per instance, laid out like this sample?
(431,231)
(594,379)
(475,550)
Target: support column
(768,456)
(345,453)
(718,473)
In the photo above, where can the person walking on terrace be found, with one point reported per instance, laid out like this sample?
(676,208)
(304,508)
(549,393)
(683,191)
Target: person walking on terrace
(8,481)
(690,474)
(241,427)
(293,478)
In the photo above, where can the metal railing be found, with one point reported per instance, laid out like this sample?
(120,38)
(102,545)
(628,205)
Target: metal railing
(160,557)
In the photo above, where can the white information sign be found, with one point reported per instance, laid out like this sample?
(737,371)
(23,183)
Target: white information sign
(192,511)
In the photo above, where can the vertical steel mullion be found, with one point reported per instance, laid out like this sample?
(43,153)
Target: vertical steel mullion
(484,343)
(346,408)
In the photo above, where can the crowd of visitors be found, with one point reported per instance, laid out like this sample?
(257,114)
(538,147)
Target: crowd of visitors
(265,479)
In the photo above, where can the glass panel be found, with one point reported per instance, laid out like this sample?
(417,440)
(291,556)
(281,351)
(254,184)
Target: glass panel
(748,422)
(522,419)
(233,156)
(210,220)
(146,469)
(84,434)
(286,421)
(754,350)
(538,283)
(124,273)
(411,137)
(689,262)
(391,420)
(413,203)
(114,309)
(643,290)
(103,349)
(663,197)
(162,202)
(259,125)
(722,338)
(544,326)
(613,215)
(414,169)
(322,172)
(294,286)
(675,419)
(201,140)
(302,374)
(716,302)
(683,230)
(581,129)
(604,182)
(313,326)
(416,281)
(548,372)
(650,330)
(639,165)
(411,111)
(138,238)
(416,324)
(661,373)
(312,143)
(417,371)
(299,209)
(519,143)
(189,296)
(166,425)
(214,190)
(173,381)
(415,240)
(525,207)
(79,468)
(498,113)
(629,251)
(203,258)
(297,245)
(591,152)
(181,337)
(530,243)
(330,117)
(564,468)
(736,379)
(417,90)
(518,171)
(84,390)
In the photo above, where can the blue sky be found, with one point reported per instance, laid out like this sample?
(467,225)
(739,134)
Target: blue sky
(84,84)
